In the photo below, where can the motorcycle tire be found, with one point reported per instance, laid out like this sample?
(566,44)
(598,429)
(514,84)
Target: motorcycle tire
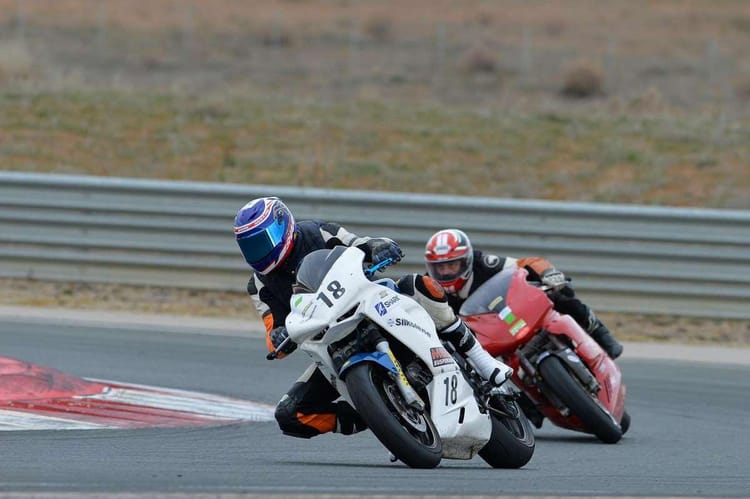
(512,441)
(580,402)
(625,422)
(410,435)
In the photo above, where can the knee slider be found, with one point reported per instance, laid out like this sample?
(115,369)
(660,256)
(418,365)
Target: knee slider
(430,287)
(286,417)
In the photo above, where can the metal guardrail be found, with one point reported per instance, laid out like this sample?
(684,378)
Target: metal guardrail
(621,258)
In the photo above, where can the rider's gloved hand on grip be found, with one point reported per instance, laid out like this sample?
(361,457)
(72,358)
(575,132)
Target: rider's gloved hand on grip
(277,337)
(553,278)
(383,248)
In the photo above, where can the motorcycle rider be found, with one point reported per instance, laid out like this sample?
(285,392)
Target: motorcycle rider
(460,269)
(273,244)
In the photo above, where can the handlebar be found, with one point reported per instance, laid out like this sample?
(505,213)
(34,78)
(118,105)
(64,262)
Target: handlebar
(369,271)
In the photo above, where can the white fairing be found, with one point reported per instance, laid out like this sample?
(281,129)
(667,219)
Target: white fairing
(453,409)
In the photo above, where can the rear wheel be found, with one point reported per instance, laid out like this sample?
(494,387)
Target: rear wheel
(581,403)
(625,422)
(409,434)
(512,442)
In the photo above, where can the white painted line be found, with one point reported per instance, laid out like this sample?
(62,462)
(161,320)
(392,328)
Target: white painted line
(20,421)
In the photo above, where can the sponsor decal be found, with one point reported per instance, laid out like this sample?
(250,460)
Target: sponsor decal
(307,307)
(386,304)
(507,315)
(440,356)
(515,328)
(491,260)
(391,301)
(298,301)
(380,308)
(405,322)
(494,303)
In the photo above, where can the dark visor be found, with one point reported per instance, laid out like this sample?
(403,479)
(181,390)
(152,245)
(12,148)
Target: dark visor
(258,246)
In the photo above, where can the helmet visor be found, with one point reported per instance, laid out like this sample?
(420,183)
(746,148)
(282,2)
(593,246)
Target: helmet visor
(256,247)
(448,270)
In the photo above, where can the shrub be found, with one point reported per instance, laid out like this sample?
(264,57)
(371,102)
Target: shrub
(742,88)
(16,61)
(479,59)
(582,79)
(276,35)
(379,28)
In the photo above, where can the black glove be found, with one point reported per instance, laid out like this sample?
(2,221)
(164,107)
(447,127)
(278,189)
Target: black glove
(553,278)
(278,335)
(384,248)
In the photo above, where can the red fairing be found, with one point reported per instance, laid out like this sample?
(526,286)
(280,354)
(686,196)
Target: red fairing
(526,303)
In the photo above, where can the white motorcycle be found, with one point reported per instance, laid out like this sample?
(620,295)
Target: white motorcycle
(381,352)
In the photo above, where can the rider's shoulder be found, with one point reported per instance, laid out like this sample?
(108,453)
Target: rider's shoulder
(489,261)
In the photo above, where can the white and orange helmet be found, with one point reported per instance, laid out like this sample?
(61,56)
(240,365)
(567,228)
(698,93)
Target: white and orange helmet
(445,246)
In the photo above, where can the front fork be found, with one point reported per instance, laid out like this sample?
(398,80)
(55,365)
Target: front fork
(409,394)
(368,336)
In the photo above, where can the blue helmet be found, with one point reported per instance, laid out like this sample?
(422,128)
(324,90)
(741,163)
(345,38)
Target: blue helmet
(264,229)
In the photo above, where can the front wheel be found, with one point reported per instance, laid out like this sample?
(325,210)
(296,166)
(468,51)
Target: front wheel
(512,441)
(408,433)
(581,403)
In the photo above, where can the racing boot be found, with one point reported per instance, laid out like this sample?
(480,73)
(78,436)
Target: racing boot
(488,367)
(601,335)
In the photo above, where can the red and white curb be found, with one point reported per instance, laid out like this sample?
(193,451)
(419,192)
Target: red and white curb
(39,398)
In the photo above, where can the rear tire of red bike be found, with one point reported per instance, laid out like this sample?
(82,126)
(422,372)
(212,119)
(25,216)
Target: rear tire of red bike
(625,422)
(571,392)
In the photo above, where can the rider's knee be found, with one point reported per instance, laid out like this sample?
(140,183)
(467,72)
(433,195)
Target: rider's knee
(286,417)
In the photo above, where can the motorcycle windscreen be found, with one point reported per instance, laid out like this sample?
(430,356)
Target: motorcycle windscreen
(490,296)
(504,311)
(314,267)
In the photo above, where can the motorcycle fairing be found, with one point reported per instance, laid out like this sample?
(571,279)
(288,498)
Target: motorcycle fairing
(335,309)
(504,311)
(380,358)
(458,419)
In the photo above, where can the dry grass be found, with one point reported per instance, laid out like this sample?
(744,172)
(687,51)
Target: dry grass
(606,156)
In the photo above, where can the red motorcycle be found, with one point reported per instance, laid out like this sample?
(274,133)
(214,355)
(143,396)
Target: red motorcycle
(564,374)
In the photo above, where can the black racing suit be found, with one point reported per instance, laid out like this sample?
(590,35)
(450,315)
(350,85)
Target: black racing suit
(308,408)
